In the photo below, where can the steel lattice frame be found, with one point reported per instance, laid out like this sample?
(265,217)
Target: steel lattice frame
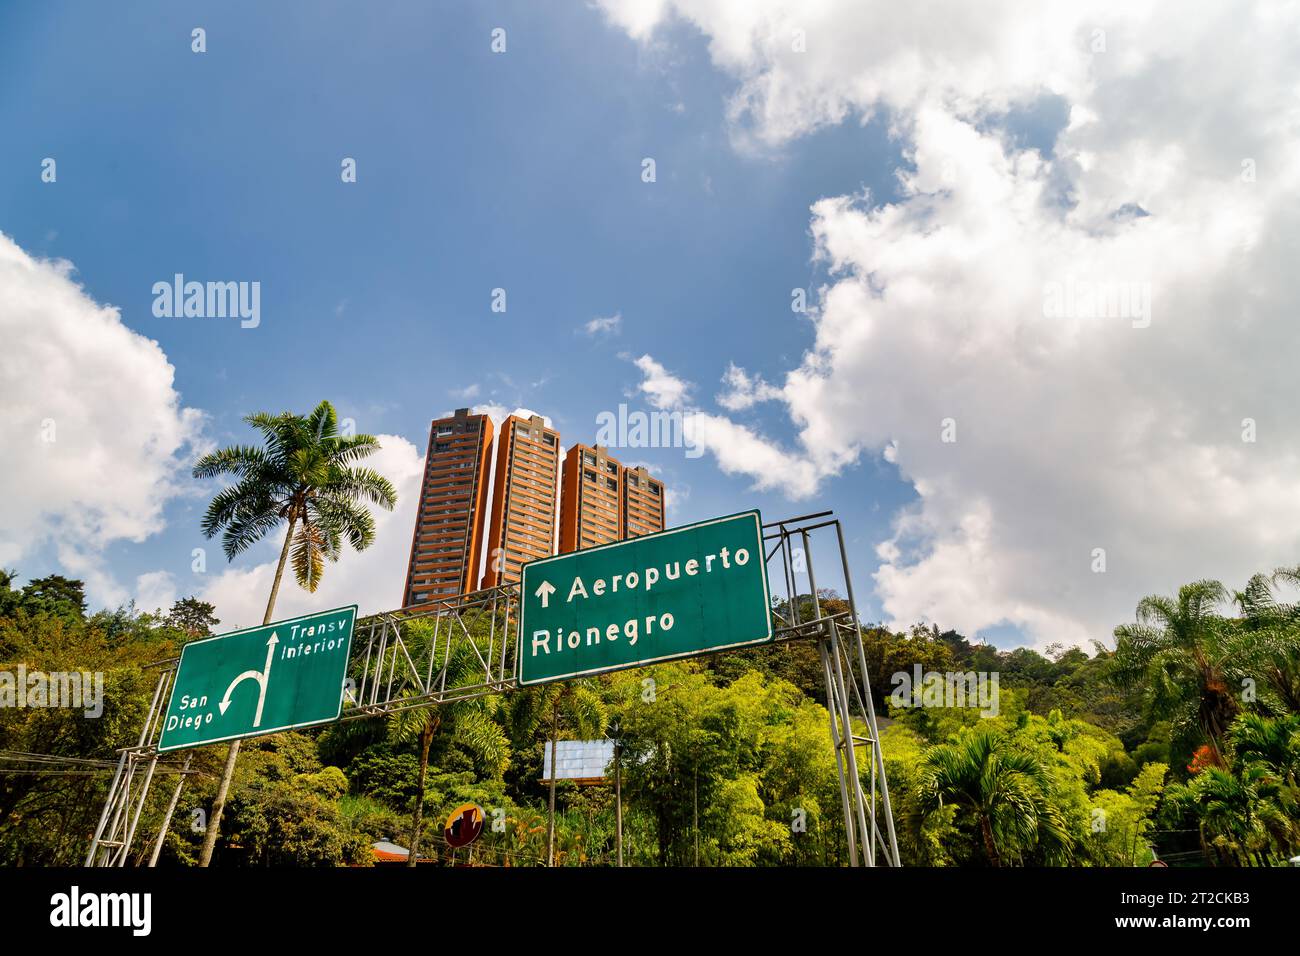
(392,670)
(848,690)
(395,673)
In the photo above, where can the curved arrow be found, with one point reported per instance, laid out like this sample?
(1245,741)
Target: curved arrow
(261,677)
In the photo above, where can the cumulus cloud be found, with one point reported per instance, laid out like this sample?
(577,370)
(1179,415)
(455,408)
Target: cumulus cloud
(96,438)
(744,390)
(372,579)
(738,449)
(155,591)
(664,389)
(493,410)
(967,308)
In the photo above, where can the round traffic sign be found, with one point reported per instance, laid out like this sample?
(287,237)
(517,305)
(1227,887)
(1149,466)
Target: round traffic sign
(464,825)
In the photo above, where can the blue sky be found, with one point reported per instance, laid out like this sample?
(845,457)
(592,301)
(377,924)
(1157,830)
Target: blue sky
(475,171)
(934,181)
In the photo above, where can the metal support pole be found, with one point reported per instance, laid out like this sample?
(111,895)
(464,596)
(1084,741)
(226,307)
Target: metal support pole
(832,710)
(618,801)
(139,809)
(111,844)
(108,807)
(858,805)
(171,809)
(866,693)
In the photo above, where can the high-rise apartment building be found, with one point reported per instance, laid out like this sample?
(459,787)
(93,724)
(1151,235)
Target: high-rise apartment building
(591,499)
(453,507)
(523,498)
(643,503)
(601,501)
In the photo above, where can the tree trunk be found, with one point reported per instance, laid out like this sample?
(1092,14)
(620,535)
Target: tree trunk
(426,739)
(228,772)
(550,821)
(990,847)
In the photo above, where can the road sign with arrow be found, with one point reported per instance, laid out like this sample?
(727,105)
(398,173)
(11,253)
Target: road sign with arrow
(260,680)
(692,590)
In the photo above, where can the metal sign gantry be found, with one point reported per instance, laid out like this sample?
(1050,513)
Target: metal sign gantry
(465,646)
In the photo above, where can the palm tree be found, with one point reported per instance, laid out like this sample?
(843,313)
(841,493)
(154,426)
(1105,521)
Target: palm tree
(1274,646)
(1187,659)
(1004,789)
(304,475)
(1272,743)
(531,709)
(1271,747)
(472,721)
(1238,817)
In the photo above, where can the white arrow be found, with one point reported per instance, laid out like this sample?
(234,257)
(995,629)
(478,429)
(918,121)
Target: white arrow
(261,677)
(544,591)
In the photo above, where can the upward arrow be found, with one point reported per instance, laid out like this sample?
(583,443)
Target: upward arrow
(260,676)
(544,591)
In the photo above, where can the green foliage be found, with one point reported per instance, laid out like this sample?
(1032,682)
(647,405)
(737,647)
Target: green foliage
(192,617)
(55,594)
(1189,664)
(1121,822)
(725,760)
(1003,791)
(46,810)
(723,772)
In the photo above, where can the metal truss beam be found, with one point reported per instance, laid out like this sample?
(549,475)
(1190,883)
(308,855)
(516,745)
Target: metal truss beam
(403,660)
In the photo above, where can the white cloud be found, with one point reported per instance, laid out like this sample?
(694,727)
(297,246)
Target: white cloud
(492,410)
(372,579)
(664,389)
(521,412)
(744,390)
(466,393)
(604,325)
(95,437)
(738,449)
(1072,433)
(155,590)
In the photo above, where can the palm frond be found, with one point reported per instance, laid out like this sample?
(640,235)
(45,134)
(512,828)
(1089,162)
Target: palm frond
(239,460)
(308,556)
(345,519)
(349,448)
(252,521)
(322,423)
(366,484)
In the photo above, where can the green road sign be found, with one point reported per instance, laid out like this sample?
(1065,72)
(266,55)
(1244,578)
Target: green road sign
(692,590)
(260,680)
